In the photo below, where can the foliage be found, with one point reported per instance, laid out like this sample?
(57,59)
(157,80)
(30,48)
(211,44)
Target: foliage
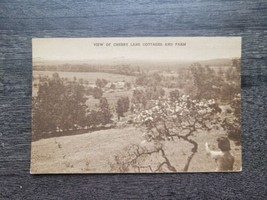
(128,85)
(112,86)
(154,93)
(141,80)
(149,79)
(58,106)
(232,81)
(174,95)
(232,123)
(97,93)
(222,86)
(123,105)
(205,82)
(104,113)
(101,82)
(139,97)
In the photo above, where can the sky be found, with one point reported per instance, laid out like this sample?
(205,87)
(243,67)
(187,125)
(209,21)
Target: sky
(78,49)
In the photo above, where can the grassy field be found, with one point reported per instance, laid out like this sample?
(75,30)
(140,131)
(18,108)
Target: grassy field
(86,153)
(92,152)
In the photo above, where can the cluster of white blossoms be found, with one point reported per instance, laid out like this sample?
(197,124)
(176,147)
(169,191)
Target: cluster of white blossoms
(183,107)
(174,116)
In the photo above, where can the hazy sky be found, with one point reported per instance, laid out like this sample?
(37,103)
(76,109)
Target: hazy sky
(196,48)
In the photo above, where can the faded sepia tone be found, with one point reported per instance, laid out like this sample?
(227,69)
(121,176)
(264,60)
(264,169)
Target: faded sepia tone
(136,105)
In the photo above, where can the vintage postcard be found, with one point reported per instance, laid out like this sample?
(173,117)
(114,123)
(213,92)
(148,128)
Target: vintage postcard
(136,105)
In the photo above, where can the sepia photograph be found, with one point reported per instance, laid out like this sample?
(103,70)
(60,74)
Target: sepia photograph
(136,105)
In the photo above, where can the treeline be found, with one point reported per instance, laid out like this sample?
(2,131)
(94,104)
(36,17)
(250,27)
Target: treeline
(119,69)
(61,106)
(222,85)
(200,82)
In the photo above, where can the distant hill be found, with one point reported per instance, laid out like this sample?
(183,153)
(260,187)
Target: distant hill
(127,67)
(217,62)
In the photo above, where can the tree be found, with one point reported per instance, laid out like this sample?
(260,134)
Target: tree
(141,80)
(156,78)
(74,106)
(127,85)
(112,86)
(104,82)
(222,86)
(93,118)
(149,80)
(81,81)
(174,95)
(205,82)
(101,82)
(97,93)
(169,121)
(58,105)
(47,105)
(123,105)
(105,111)
(139,97)
(98,83)
(154,93)
(233,81)
(231,124)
